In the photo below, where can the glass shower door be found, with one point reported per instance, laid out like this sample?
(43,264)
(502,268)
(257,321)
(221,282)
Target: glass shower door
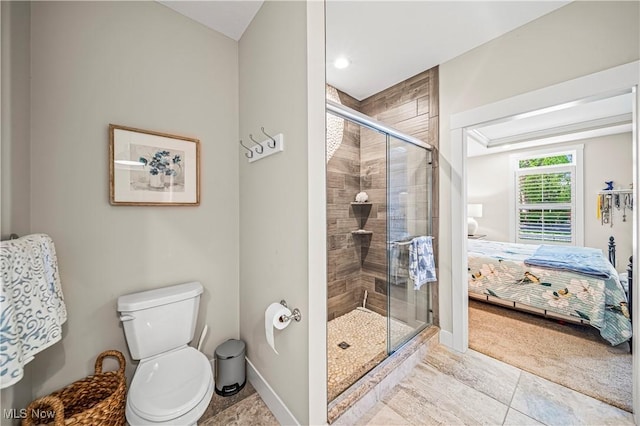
(409,175)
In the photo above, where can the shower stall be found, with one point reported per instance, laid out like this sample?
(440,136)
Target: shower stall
(376,303)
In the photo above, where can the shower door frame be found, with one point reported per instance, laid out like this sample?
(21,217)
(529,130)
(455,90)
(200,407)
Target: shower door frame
(357,117)
(361,119)
(395,346)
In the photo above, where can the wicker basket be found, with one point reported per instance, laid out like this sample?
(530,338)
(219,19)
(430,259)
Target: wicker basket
(95,400)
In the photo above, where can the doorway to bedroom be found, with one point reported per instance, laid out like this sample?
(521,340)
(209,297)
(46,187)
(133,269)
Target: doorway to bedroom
(561,176)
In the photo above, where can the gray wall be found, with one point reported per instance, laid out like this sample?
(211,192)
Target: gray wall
(14,151)
(15,118)
(137,64)
(274,197)
(604,158)
(573,41)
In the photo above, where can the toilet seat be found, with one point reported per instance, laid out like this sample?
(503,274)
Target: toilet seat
(168,386)
(188,419)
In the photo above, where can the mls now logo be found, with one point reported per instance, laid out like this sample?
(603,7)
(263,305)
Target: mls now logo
(36,413)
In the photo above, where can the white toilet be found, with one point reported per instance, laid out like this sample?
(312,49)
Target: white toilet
(173,382)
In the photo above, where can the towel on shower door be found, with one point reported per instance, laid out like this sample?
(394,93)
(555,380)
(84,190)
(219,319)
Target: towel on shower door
(422,267)
(32,308)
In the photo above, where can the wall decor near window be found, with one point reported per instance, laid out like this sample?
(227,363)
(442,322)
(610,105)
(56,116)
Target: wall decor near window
(149,168)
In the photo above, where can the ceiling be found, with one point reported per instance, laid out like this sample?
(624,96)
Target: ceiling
(230,18)
(563,123)
(390,41)
(387,42)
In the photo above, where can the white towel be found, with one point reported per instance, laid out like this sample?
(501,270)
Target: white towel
(32,308)
(422,266)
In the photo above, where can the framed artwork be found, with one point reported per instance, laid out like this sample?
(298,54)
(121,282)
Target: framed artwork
(149,168)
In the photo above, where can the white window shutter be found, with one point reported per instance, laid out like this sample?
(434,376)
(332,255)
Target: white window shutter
(545,204)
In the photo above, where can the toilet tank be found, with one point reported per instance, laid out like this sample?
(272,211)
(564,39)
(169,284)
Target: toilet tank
(156,321)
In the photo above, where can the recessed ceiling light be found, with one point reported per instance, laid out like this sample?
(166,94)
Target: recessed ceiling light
(341,63)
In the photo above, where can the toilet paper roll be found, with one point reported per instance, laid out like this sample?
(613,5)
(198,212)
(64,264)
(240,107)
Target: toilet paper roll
(272,321)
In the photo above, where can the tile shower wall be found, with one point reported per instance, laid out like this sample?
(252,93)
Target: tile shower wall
(358,263)
(343,183)
(373,180)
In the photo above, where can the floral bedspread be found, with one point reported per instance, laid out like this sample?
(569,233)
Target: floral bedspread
(498,269)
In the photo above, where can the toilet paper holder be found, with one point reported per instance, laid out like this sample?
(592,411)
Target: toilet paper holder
(295,313)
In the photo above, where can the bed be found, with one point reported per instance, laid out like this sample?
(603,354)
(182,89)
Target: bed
(570,289)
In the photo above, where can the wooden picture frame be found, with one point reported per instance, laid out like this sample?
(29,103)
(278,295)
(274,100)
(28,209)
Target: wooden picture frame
(148,168)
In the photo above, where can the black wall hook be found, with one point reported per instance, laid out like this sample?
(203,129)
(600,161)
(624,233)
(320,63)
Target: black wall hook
(270,137)
(250,153)
(260,148)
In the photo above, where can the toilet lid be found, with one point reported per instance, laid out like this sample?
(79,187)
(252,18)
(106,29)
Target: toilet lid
(170,385)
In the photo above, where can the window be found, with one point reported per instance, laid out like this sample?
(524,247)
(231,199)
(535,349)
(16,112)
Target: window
(548,197)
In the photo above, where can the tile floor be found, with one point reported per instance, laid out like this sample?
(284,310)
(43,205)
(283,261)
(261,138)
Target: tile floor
(244,408)
(472,388)
(453,389)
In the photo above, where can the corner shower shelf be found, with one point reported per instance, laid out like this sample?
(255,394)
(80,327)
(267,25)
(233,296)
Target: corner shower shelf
(361,212)
(362,240)
(361,237)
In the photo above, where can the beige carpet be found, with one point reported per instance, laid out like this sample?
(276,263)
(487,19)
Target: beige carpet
(571,355)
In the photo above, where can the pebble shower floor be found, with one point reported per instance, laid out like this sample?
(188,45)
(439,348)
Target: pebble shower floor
(363,335)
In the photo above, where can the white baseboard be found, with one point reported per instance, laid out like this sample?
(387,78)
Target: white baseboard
(446,338)
(268,395)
